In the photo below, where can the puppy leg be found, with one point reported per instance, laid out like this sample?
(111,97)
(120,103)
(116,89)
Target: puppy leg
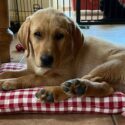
(83,87)
(18,83)
(101,81)
(32,80)
(113,72)
(13,74)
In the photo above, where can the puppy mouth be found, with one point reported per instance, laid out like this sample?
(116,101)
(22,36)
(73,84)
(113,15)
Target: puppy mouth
(44,67)
(42,70)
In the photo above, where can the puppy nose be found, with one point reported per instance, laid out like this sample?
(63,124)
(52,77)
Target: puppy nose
(47,60)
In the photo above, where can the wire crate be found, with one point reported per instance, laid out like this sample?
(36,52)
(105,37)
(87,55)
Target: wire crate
(85,12)
(100,11)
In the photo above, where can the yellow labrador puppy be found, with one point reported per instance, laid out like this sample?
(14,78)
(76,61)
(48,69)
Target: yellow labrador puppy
(65,62)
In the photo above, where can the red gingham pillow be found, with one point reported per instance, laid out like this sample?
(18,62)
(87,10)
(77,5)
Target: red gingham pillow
(23,100)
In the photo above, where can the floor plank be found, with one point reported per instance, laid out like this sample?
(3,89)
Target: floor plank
(120,120)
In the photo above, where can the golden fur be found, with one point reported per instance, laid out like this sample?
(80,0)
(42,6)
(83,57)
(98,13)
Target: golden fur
(95,63)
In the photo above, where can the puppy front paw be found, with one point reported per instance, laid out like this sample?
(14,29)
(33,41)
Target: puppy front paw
(7,85)
(51,94)
(74,87)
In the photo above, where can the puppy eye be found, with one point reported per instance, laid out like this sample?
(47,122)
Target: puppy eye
(38,34)
(59,36)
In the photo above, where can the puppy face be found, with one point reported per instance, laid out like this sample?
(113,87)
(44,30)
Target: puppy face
(52,36)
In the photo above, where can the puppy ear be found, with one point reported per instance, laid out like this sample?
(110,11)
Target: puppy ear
(23,34)
(77,37)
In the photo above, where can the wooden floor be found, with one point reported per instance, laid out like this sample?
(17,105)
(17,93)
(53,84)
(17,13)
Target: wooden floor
(65,119)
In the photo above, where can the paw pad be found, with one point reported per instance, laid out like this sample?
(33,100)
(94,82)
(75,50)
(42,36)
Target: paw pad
(45,96)
(74,87)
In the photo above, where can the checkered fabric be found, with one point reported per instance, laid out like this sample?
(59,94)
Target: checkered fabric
(23,100)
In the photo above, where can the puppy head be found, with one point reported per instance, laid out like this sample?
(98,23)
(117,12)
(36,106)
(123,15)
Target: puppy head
(50,38)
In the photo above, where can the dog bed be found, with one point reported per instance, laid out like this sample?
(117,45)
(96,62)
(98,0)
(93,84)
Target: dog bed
(24,100)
